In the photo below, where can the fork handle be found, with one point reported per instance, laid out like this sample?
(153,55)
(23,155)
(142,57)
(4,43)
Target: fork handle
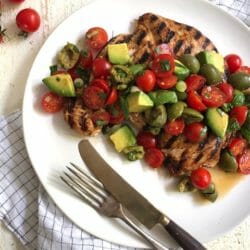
(129,220)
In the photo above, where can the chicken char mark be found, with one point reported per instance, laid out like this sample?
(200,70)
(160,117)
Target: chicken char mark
(182,156)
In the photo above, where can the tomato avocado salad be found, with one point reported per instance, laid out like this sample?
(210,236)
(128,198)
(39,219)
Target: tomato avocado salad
(186,113)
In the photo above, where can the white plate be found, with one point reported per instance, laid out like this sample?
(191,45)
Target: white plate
(51,144)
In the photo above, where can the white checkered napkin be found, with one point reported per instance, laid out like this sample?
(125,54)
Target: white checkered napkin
(25,207)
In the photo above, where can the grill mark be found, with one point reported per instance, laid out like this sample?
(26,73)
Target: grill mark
(140,37)
(206,43)
(161,27)
(171,141)
(178,46)
(197,35)
(153,18)
(145,56)
(203,143)
(188,50)
(200,155)
(169,36)
(188,28)
(179,164)
(82,123)
(216,146)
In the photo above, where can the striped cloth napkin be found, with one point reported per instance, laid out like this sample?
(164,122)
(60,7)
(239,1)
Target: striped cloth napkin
(25,207)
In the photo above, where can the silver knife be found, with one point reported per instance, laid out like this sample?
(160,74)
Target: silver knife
(132,200)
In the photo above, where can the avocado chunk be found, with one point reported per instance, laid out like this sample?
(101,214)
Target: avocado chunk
(61,84)
(217,121)
(122,138)
(212,57)
(138,102)
(68,56)
(118,53)
(160,97)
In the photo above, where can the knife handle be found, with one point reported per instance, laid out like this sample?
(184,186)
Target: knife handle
(185,240)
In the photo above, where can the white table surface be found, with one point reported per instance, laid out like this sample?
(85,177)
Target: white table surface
(16,57)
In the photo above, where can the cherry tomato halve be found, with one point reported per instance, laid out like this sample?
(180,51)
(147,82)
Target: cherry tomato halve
(112,98)
(94,97)
(101,118)
(101,83)
(213,96)
(175,127)
(244,162)
(116,114)
(237,146)
(101,68)
(16,1)
(28,20)
(167,82)
(194,101)
(154,157)
(244,69)
(201,178)
(86,59)
(146,81)
(228,90)
(195,82)
(163,65)
(195,132)
(233,62)
(51,102)
(96,37)
(146,139)
(240,114)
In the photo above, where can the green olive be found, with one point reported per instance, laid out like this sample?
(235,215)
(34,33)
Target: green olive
(182,96)
(228,162)
(191,115)
(240,80)
(185,185)
(191,62)
(211,74)
(68,56)
(209,190)
(154,130)
(175,110)
(211,197)
(157,116)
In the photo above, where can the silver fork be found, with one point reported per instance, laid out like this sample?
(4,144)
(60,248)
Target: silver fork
(93,192)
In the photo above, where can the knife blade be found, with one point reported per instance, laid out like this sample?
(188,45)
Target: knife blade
(130,198)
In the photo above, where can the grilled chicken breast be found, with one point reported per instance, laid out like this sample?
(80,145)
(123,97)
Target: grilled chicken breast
(152,30)
(183,156)
(79,117)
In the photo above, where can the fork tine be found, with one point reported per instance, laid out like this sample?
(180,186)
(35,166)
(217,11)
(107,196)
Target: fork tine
(85,189)
(82,194)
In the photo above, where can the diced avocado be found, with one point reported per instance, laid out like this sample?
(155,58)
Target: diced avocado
(118,53)
(68,56)
(212,57)
(138,102)
(122,138)
(217,120)
(61,84)
(180,70)
(160,97)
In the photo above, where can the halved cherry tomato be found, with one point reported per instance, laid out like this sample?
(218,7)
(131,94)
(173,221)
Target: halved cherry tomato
(112,98)
(201,178)
(86,59)
(244,69)
(116,114)
(16,1)
(195,132)
(194,101)
(94,97)
(100,118)
(154,157)
(195,82)
(96,37)
(240,114)
(51,102)
(73,73)
(175,127)
(167,82)
(233,62)
(163,65)
(244,162)
(228,90)
(101,83)
(213,96)
(146,81)
(237,146)
(59,72)
(163,48)
(101,68)
(146,139)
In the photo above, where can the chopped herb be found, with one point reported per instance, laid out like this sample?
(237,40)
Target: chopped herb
(165,65)
(203,131)
(84,74)
(100,122)
(103,96)
(233,125)
(84,53)
(53,69)
(124,106)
